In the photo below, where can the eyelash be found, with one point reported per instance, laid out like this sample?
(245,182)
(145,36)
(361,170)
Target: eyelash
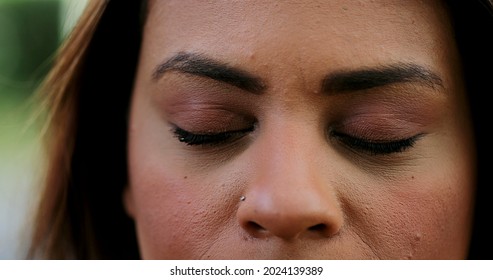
(360,144)
(376,147)
(212,139)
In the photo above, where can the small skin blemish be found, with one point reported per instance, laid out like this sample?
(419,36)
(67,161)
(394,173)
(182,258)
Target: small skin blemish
(185,177)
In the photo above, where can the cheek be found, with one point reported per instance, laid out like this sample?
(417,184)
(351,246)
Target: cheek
(178,212)
(443,212)
(162,211)
(425,216)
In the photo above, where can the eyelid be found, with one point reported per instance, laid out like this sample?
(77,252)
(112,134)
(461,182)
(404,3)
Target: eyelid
(376,147)
(380,127)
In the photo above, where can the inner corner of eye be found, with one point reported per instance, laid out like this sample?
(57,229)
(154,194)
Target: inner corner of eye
(333,132)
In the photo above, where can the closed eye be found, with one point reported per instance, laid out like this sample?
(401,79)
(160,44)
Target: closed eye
(376,147)
(194,139)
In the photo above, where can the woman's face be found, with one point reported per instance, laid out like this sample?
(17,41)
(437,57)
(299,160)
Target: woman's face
(300,130)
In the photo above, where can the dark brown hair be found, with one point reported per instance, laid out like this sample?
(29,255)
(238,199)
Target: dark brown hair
(87,94)
(88,91)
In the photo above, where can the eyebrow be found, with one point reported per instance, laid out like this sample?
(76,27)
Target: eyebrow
(356,80)
(333,83)
(199,65)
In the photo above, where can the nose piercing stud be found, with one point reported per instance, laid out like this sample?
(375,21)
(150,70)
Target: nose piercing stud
(242,198)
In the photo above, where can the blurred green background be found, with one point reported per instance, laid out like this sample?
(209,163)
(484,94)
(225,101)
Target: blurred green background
(30,33)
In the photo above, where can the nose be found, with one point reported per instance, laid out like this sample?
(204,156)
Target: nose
(290,195)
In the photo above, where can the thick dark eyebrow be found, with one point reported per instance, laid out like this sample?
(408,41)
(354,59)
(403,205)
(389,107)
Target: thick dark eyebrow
(199,65)
(367,78)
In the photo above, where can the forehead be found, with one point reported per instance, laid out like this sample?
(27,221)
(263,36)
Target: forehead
(343,32)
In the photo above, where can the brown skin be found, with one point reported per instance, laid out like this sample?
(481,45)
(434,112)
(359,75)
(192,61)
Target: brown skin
(308,193)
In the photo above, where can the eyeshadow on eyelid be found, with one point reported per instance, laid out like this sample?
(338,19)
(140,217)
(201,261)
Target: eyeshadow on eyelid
(379,128)
(414,110)
(206,117)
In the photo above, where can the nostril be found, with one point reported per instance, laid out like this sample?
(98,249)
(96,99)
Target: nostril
(253,226)
(319,227)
